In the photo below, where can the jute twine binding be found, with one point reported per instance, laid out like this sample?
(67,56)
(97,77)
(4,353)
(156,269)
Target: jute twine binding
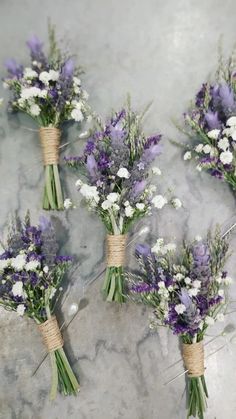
(116,250)
(50,141)
(51,334)
(193,356)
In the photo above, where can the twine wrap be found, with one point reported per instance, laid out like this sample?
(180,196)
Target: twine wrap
(51,334)
(193,356)
(116,250)
(50,141)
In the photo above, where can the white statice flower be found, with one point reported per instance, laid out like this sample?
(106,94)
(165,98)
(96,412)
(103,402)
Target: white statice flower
(206,149)
(187,155)
(170,247)
(76,81)
(219,279)
(21,102)
(156,171)
(223,143)
(78,183)
(77,115)
(187,280)
(179,276)
(180,308)
(34,110)
(52,293)
(30,92)
(123,173)
(197,283)
(226,157)
(4,263)
(151,189)
(54,75)
(209,320)
(158,246)
(113,197)
(17,289)
(43,93)
(159,201)
(231,122)
(32,265)
(193,292)
(85,95)
(20,309)
(47,76)
(90,192)
(227,280)
(29,73)
(213,134)
(18,263)
(115,207)
(5,85)
(198,238)
(76,104)
(176,203)
(106,204)
(46,269)
(220,317)
(129,211)
(199,168)
(67,203)
(140,206)
(199,148)
(221,292)
(161,284)
(126,204)
(143,230)
(170,288)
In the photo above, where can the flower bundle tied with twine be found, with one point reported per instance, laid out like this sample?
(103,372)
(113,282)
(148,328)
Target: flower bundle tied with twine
(187,291)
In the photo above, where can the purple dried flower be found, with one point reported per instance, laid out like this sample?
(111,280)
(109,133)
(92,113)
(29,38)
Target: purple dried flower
(68,68)
(139,187)
(91,165)
(143,249)
(15,70)
(212,120)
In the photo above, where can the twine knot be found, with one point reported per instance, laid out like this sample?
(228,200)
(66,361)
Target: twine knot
(116,249)
(50,141)
(51,334)
(193,356)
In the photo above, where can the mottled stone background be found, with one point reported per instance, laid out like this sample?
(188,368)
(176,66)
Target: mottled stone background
(154,49)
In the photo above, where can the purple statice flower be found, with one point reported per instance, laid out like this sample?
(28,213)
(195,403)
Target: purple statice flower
(200,96)
(153,140)
(216,173)
(103,160)
(73,160)
(91,166)
(139,187)
(116,133)
(215,300)
(208,160)
(6,255)
(34,279)
(44,223)
(35,46)
(32,235)
(62,259)
(227,96)
(68,68)
(151,153)
(201,263)
(143,250)
(143,287)
(212,120)
(119,116)
(90,147)
(14,70)
(185,298)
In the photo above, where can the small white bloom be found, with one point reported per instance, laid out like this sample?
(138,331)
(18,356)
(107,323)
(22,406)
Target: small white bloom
(77,115)
(43,93)
(126,204)
(199,148)
(156,171)
(32,265)
(219,279)
(206,149)
(197,283)
(179,277)
(176,203)
(198,238)
(158,246)
(209,320)
(170,247)
(90,192)
(4,263)
(231,122)
(226,157)
(170,288)
(29,73)
(193,292)
(221,293)
(18,262)
(113,197)
(115,207)
(30,92)
(180,308)
(78,183)
(106,204)
(223,144)
(76,104)
(152,189)
(227,280)
(17,289)
(85,95)
(187,155)
(53,75)
(52,293)
(68,203)
(20,309)
(161,284)
(46,269)
(220,317)
(187,280)
(123,173)
(140,206)
(129,211)
(143,230)
(77,81)
(199,168)
(5,85)
(34,110)
(159,201)
(213,134)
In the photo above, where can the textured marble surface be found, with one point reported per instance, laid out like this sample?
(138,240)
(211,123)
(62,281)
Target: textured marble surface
(154,50)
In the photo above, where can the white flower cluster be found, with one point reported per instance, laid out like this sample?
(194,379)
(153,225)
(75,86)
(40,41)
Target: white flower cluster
(162,249)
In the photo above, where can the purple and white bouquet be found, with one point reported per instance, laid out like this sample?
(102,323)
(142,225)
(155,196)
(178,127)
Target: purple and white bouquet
(31,272)
(49,91)
(117,163)
(188,292)
(211,125)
